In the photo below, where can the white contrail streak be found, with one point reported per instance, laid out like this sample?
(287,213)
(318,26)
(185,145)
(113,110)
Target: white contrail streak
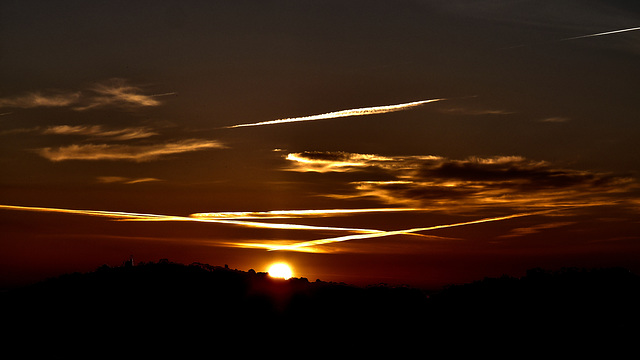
(127,216)
(283,214)
(343,113)
(602,33)
(304,244)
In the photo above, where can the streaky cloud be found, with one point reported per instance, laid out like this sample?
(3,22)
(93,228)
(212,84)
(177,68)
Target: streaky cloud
(343,113)
(523,231)
(100,132)
(38,99)
(137,153)
(476,112)
(113,93)
(555,119)
(118,92)
(124,180)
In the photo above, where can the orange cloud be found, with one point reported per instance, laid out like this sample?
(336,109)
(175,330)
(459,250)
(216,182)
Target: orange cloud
(99,131)
(117,92)
(457,185)
(138,153)
(114,93)
(124,180)
(39,99)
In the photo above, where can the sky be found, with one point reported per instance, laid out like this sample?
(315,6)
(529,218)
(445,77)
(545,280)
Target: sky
(415,142)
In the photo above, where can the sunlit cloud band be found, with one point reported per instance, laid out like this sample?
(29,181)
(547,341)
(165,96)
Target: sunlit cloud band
(137,153)
(113,93)
(439,183)
(98,131)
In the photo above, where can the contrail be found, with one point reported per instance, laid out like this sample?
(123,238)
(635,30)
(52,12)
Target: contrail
(601,34)
(343,113)
(300,246)
(397,232)
(283,214)
(577,37)
(128,216)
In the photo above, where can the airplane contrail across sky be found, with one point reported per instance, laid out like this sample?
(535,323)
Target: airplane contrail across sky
(343,113)
(305,246)
(301,245)
(228,218)
(602,33)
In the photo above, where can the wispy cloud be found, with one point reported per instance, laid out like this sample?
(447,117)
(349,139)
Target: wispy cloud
(118,92)
(343,113)
(475,112)
(124,180)
(318,161)
(92,131)
(138,153)
(522,231)
(555,119)
(113,93)
(39,99)
(455,185)
(99,131)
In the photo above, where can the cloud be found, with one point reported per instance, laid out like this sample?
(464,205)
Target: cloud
(454,185)
(119,93)
(99,131)
(123,180)
(555,119)
(137,153)
(38,99)
(332,161)
(344,113)
(94,131)
(113,93)
(476,112)
(517,232)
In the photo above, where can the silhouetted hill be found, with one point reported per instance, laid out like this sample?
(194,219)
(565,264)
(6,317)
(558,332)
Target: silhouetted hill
(185,301)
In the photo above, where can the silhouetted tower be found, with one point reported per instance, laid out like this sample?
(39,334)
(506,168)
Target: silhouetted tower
(129,263)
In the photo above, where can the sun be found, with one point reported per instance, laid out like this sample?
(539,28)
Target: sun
(280,270)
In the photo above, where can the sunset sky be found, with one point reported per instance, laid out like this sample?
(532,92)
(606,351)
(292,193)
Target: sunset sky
(418,142)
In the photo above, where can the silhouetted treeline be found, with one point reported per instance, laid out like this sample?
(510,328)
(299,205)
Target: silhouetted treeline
(165,297)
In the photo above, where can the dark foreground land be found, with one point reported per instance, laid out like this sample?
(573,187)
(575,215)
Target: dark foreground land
(172,301)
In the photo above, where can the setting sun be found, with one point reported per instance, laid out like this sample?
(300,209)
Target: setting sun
(280,270)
